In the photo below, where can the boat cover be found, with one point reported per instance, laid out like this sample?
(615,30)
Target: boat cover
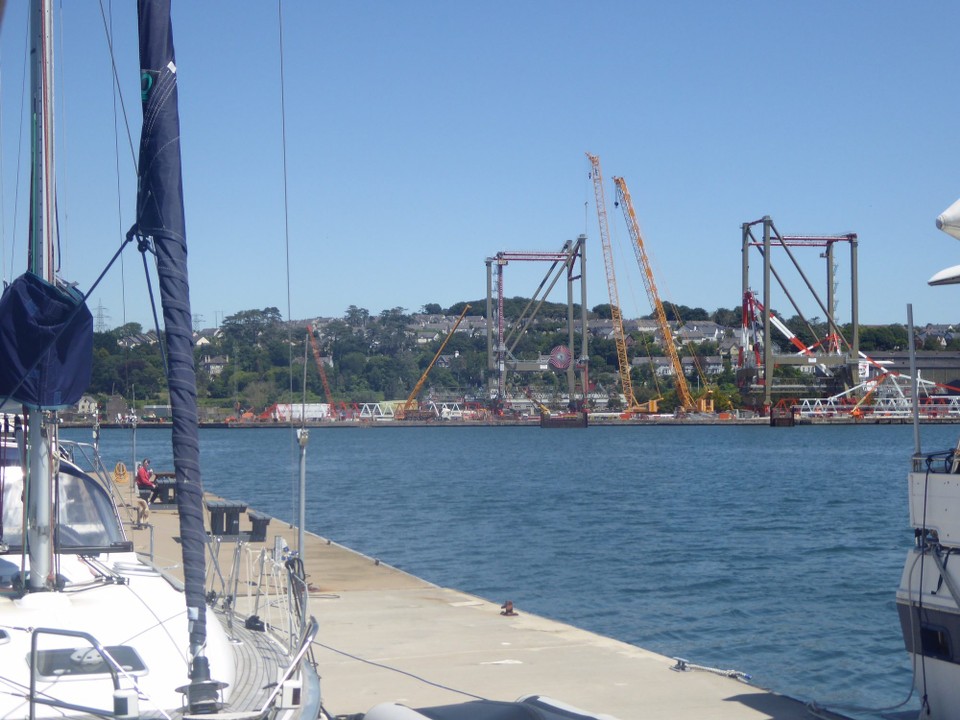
(46,344)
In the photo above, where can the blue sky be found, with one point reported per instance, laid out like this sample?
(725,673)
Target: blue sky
(423,137)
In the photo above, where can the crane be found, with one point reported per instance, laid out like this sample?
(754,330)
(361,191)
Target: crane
(616,315)
(408,405)
(323,373)
(683,390)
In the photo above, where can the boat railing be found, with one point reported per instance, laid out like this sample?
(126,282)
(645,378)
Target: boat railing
(944,461)
(120,697)
(277,593)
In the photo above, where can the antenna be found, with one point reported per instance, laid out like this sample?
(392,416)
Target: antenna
(914,380)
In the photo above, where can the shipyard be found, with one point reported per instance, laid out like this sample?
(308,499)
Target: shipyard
(341,380)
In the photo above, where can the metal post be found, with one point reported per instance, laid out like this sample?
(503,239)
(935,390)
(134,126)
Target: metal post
(831,299)
(584,335)
(854,303)
(303,437)
(491,363)
(914,380)
(767,344)
(571,369)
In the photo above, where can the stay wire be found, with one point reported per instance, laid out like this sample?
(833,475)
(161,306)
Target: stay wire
(294,492)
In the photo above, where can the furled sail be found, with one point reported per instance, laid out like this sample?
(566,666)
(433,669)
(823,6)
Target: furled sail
(160,216)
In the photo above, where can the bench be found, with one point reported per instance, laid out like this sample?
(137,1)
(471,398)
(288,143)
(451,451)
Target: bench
(260,521)
(225,516)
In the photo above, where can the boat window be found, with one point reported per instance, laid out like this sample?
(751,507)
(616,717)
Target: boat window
(935,642)
(86,515)
(71,662)
(9,454)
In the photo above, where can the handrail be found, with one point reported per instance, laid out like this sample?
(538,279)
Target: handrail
(101,651)
(310,632)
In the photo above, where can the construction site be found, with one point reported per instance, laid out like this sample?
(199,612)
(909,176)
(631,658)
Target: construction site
(781,378)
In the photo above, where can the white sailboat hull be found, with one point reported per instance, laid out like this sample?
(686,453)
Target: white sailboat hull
(928,598)
(140,611)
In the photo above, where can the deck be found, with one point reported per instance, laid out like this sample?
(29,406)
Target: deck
(387,636)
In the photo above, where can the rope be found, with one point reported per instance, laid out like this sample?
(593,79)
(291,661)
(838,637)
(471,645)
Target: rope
(120,476)
(684,665)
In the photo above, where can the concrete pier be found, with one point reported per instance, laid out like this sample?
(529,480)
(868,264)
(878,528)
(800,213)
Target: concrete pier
(387,636)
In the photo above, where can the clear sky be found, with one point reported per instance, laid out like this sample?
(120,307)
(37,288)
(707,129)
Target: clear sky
(423,137)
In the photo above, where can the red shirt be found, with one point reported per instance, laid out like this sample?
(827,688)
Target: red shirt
(143,478)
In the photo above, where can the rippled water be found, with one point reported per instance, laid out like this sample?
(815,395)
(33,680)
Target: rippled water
(776,552)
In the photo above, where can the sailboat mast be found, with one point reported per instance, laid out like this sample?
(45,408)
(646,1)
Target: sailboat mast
(40,262)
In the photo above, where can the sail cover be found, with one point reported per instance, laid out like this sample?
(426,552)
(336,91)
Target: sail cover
(160,216)
(46,344)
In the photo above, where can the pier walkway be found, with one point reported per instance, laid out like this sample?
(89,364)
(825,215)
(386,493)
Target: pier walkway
(387,636)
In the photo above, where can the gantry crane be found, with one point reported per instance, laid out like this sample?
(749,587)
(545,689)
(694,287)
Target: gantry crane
(408,405)
(683,390)
(322,371)
(616,315)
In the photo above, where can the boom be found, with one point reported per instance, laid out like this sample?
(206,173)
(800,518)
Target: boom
(615,313)
(323,373)
(683,390)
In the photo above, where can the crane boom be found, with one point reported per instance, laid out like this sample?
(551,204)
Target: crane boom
(320,369)
(615,313)
(423,378)
(626,203)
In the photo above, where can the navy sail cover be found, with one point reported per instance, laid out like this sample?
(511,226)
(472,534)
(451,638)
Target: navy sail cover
(46,344)
(160,216)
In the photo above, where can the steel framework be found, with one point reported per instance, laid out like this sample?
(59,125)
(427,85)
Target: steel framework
(569,261)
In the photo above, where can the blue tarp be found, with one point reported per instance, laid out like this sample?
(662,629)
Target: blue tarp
(46,344)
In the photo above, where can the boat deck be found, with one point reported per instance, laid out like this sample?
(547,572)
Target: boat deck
(387,636)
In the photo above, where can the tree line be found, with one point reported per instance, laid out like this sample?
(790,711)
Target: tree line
(377,357)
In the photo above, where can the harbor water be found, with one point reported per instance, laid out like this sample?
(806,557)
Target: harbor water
(775,552)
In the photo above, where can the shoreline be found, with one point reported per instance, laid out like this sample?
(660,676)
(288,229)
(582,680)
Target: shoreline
(665,421)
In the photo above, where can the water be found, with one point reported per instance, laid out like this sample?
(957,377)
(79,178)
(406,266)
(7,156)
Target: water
(776,552)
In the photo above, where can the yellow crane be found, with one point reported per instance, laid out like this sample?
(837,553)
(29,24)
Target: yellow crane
(408,405)
(616,315)
(683,389)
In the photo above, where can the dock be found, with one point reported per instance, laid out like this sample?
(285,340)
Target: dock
(388,636)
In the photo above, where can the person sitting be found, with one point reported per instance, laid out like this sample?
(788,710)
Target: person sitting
(146,480)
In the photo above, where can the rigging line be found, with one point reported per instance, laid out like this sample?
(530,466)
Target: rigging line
(62,163)
(116,80)
(114,86)
(16,196)
(143,245)
(294,492)
(397,670)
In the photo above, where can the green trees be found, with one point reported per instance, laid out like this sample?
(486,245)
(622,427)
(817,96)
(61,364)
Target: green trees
(255,358)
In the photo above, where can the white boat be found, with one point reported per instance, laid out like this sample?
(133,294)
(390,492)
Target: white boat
(928,599)
(88,628)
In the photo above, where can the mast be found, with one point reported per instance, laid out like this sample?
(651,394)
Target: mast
(160,219)
(38,493)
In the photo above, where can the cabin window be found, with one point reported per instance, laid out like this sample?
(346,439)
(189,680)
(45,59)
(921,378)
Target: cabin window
(935,642)
(69,662)
(87,520)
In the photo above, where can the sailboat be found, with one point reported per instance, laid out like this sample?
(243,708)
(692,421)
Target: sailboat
(928,598)
(87,626)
